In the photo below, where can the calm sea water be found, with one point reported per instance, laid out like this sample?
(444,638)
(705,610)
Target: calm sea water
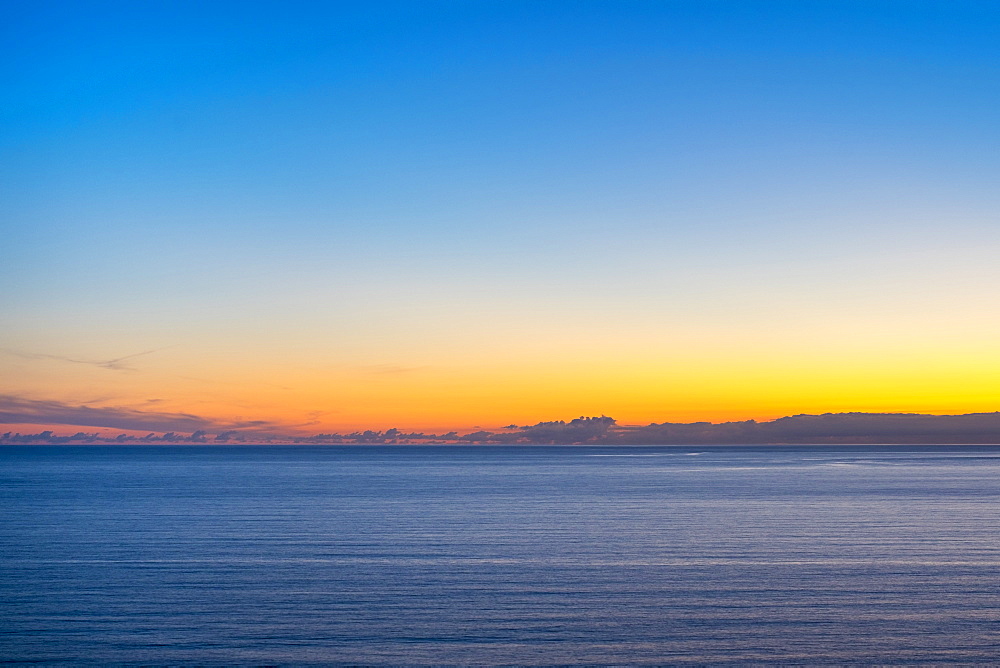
(499,555)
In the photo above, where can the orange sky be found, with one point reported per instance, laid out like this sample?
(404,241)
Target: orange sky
(348,218)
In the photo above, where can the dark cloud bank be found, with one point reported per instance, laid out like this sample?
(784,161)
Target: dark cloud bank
(844,428)
(18,410)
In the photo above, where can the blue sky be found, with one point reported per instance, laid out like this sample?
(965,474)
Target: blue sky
(393,183)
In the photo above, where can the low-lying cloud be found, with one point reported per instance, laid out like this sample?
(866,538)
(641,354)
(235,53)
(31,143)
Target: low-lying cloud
(841,428)
(18,410)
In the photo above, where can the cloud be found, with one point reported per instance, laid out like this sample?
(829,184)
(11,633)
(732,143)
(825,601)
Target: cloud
(18,410)
(115,364)
(826,428)
(847,428)
(579,430)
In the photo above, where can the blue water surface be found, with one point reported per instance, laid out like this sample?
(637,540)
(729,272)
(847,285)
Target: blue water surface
(522,555)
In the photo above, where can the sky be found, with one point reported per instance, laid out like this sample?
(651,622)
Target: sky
(304,217)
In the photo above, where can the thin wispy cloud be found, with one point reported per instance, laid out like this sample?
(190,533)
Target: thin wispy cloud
(114,364)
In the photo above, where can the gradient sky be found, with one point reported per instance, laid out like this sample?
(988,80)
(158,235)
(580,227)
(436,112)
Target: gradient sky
(436,215)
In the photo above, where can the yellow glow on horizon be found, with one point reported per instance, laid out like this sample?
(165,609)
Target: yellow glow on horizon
(637,376)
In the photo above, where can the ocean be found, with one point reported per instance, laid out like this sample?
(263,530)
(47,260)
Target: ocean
(483,555)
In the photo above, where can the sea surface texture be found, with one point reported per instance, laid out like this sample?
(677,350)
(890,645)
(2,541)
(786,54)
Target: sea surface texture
(499,555)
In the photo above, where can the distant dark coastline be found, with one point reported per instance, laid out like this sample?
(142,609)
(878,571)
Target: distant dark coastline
(828,428)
